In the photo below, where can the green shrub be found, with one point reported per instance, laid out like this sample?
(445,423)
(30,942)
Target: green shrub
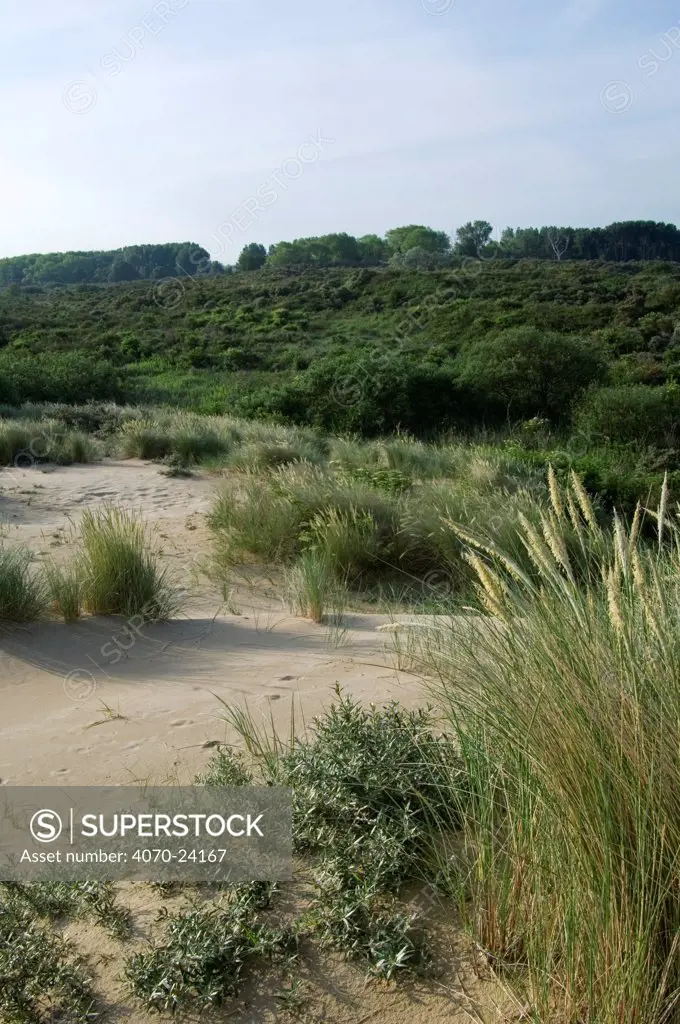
(375,791)
(43,978)
(370,394)
(200,961)
(525,372)
(632,414)
(61,901)
(55,377)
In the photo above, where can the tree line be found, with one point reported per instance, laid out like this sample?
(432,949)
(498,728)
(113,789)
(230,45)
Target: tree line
(412,247)
(134,262)
(417,246)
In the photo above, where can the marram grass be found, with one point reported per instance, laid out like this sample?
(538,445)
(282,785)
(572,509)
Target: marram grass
(120,572)
(23,592)
(66,590)
(566,705)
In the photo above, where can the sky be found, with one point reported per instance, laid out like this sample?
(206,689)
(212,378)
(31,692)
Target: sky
(225,122)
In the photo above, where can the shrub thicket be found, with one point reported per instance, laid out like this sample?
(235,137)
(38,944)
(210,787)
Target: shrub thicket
(351,349)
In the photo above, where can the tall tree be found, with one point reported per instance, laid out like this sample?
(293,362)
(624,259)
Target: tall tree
(252,257)
(472,238)
(417,236)
(372,249)
(121,270)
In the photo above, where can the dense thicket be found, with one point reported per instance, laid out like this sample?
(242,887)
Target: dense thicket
(589,351)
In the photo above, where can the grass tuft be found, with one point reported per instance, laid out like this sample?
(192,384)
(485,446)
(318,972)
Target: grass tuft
(66,591)
(120,573)
(311,585)
(24,596)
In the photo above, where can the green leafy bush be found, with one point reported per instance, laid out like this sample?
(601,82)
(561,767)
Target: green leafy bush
(200,961)
(632,414)
(525,372)
(43,979)
(55,377)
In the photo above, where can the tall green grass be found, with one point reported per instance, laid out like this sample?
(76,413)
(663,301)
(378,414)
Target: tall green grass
(120,572)
(374,526)
(29,442)
(191,438)
(311,585)
(65,585)
(219,440)
(23,593)
(566,705)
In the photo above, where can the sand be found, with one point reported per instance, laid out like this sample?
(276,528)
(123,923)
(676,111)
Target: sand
(109,702)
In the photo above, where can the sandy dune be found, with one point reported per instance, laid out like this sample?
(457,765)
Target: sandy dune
(57,682)
(102,702)
(61,685)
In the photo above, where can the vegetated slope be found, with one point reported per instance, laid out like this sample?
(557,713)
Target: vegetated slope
(359,349)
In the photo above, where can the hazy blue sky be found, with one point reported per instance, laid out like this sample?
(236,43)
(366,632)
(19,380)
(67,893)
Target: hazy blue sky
(523,112)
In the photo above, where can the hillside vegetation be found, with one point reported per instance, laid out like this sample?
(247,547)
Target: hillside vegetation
(579,350)
(453,322)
